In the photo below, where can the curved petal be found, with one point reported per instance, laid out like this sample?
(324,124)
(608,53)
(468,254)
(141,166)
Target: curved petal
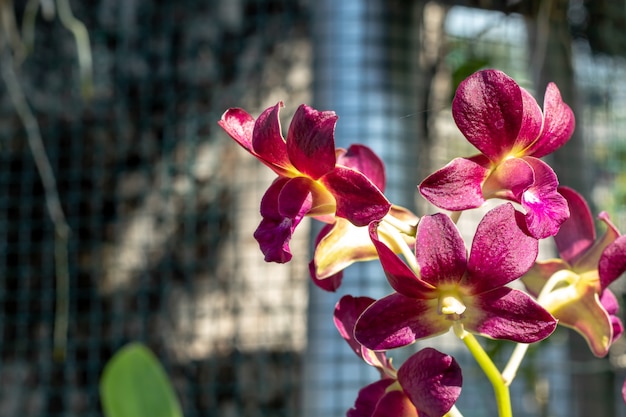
(578,232)
(358,199)
(456,186)
(364,160)
(268,142)
(311,141)
(589,260)
(329,283)
(440,250)
(530,129)
(579,307)
(558,125)
(489,110)
(400,276)
(501,251)
(610,304)
(395,403)
(239,125)
(368,398)
(275,230)
(432,380)
(612,262)
(535,279)
(302,196)
(506,313)
(395,321)
(546,209)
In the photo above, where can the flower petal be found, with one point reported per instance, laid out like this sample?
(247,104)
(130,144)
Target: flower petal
(275,230)
(400,276)
(589,260)
(432,380)
(509,180)
(612,262)
(311,141)
(546,209)
(395,321)
(368,398)
(489,110)
(358,199)
(364,160)
(239,125)
(268,142)
(558,125)
(395,403)
(578,232)
(579,307)
(610,304)
(440,250)
(535,279)
(302,196)
(501,251)
(506,313)
(456,186)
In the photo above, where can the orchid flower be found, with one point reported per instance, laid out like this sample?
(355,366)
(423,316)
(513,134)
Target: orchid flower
(446,289)
(505,123)
(427,384)
(577,293)
(310,181)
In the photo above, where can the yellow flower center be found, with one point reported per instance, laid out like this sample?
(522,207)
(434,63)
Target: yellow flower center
(451,304)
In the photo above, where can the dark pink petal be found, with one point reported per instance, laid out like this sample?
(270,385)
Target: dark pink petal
(489,110)
(275,230)
(546,209)
(510,314)
(239,125)
(267,140)
(395,403)
(612,262)
(358,199)
(456,186)
(311,141)
(368,398)
(440,250)
(432,380)
(501,251)
(531,124)
(295,197)
(395,321)
(578,232)
(400,276)
(347,311)
(364,160)
(611,305)
(558,125)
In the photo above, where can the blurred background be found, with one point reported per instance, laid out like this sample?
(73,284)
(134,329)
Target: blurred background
(126,214)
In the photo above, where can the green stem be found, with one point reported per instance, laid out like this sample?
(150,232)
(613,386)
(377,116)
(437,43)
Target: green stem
(501,390)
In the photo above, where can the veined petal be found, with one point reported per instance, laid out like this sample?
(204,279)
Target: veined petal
(347,311)
(440,250)
(558,125)
(489,110)
(510,314)
(395,321)
(363,159)
(400,276)
(612,262)
(546,209)
(456,186)
(578,307)
(432,380)
(268,142)
(311,141)
(578,232)
(501,250)
(358,199)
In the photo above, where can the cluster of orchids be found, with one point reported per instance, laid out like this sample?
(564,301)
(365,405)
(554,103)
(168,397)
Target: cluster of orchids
(437,286)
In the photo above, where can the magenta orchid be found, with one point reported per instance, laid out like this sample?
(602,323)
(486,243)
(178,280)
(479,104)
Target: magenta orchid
(577,292)
(310,180)
(427,384)
(505,123)
(437,284)
(448,289)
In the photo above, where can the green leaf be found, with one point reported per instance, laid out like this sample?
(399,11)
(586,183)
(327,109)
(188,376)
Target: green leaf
(134,384)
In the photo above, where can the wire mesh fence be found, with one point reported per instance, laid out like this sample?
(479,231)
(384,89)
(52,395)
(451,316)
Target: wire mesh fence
(161,206)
